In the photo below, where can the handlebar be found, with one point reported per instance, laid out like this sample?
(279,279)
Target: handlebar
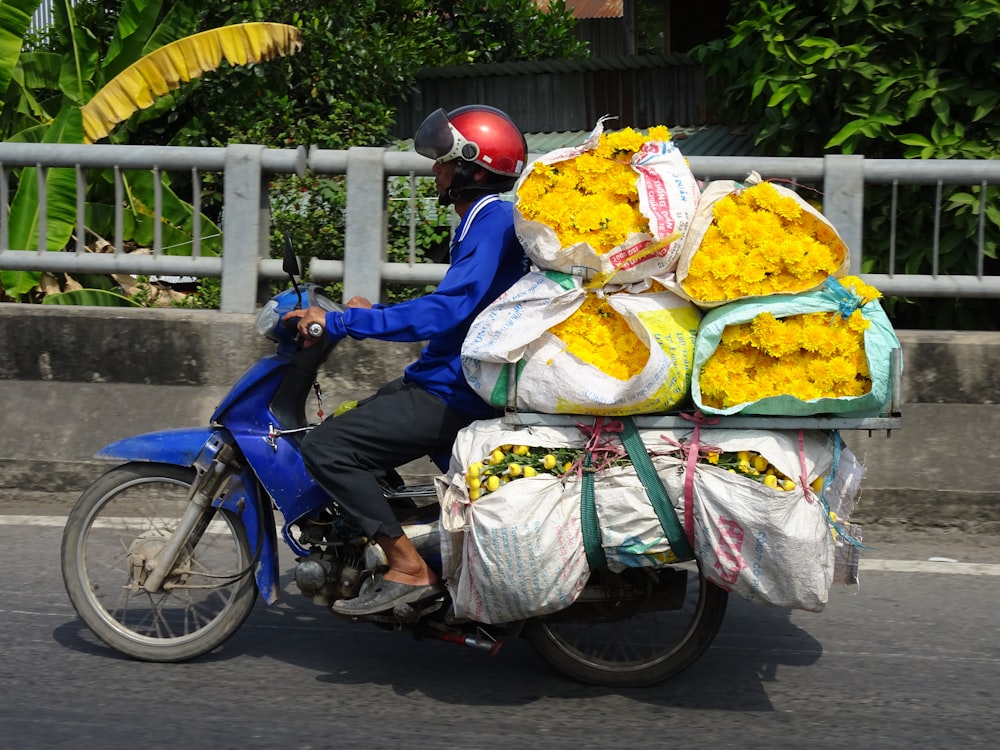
(314,331)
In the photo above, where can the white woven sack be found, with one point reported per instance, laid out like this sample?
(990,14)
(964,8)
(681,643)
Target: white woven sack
(550,379)
(516,552)
(668,196)
(766,546)
(702,220)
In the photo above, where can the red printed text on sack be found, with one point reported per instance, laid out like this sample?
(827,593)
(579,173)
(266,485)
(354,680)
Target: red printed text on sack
(729,557)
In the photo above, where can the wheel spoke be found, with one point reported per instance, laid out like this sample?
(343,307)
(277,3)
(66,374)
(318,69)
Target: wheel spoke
(619,645)
(120,525)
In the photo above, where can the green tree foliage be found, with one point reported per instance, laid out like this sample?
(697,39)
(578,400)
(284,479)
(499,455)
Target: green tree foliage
(887,80)
(357,60)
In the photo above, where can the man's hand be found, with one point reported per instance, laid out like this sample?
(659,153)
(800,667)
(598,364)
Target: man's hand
(308,317)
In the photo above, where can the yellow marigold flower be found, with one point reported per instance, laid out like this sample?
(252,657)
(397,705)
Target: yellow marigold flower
(493,483)
(808,356)
(867,292)
(761,242)
(514,470)
(549,461)
(598,335)
(771,481)
(592,197)
(529,471)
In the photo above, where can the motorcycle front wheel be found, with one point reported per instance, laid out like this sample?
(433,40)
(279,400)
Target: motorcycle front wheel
(659,625)
(124,519)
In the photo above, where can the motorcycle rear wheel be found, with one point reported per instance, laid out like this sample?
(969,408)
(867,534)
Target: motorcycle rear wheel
(125,517)
(638,646)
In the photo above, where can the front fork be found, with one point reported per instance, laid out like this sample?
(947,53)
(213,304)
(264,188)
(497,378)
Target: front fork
(216,465)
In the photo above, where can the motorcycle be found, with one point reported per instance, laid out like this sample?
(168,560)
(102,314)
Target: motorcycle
(163,556)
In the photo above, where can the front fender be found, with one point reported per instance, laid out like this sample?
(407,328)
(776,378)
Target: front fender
(243,497)
(179,447)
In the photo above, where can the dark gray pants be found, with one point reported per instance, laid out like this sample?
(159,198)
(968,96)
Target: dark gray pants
(398,424)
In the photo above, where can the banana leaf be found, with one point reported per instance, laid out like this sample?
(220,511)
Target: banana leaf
(60,196)
(15,20)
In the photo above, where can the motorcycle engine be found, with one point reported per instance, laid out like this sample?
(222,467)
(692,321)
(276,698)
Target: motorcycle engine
(325,578)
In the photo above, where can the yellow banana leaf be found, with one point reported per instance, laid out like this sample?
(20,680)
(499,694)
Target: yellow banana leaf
(164,69)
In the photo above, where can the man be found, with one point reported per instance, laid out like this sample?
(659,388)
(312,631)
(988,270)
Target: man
(479,152)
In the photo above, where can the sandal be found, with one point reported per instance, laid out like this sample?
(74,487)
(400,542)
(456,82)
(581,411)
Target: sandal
(384,595)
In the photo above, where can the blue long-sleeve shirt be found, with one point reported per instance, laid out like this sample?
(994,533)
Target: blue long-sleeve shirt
(486,259)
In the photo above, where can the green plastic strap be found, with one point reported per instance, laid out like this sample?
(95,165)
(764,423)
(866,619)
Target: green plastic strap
(596,558)
(654,490)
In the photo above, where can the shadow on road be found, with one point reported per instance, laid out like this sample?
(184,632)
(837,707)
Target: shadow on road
(752,646)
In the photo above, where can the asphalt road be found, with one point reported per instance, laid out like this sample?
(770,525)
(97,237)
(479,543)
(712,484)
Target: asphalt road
(910,659)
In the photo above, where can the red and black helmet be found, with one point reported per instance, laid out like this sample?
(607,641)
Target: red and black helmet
(476,133)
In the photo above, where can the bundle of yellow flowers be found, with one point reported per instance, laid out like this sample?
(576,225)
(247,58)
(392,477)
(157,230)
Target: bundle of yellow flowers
(808,356)
(598,335)
(591,197)
(756,241)
(614,207)
(755,466)
(578,349)
(509,462)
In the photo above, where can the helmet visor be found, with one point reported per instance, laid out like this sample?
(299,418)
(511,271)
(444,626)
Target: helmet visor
(437,139)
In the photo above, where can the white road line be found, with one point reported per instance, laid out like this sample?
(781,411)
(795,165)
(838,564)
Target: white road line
(32,520)
(927,566)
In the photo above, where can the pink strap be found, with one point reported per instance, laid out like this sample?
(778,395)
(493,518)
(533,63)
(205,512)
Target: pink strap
(803,474)
(602,449)
(692,459)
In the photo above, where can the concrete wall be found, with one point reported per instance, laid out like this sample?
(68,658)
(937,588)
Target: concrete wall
(74,379)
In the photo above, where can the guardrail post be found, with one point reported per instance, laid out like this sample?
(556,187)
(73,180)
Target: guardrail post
(245,229)
(365,227)
(844,200)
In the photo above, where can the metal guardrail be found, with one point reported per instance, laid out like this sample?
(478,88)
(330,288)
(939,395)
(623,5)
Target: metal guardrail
(245,171)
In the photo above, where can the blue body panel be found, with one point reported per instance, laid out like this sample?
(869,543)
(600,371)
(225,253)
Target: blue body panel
(275,472)
(181,447)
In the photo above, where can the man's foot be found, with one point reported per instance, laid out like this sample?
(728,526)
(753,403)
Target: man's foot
(383,596)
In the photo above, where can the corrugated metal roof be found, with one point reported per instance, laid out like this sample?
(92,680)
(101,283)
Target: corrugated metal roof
(589,8)
(625,62)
